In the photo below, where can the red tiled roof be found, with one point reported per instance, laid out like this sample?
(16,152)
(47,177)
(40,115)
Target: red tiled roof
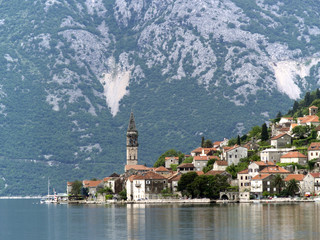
(309,118)
(69,183)
(221,163)
(298,177)
(313,107)
(186,165)
(175,178)
(293,125)
(206,150)
(89,183)
(217,143)
(106,179)
(177,158)
(214,157)
(246,171)
(315,175)
(293,155)
(214,172)
(136,167)
(314,146)
(274,169)
(161,169)
(284,129)
(260,176)
(279,136)
(260,163)
(201,158)
(149,175)
(200,173)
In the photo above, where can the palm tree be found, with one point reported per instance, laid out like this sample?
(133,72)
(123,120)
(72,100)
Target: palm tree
(292,187)
(278,182)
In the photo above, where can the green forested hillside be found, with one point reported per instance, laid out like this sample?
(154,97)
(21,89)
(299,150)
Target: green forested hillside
(71,72)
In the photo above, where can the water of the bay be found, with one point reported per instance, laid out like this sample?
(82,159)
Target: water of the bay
(29,220)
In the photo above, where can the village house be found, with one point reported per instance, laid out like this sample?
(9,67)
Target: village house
(186,167)
(256,166)
(281,141)
(263,183)
(294,157)
(173,182)
(298,177)
(244,180)
(69,187)
(274,170)
(273,154)
(314,150)
(162,171)
(171,160)
(145,186)
(92,186)
(200,162)
(234,154)
(203,151)
(316,177)
(113,182)
(220,165)
(308,184)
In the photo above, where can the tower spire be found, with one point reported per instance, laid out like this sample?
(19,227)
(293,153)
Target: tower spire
(132,123)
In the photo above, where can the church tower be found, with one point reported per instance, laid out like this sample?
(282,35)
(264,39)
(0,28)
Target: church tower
(132,142)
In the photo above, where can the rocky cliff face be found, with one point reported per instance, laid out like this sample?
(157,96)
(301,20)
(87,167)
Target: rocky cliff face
(71,71)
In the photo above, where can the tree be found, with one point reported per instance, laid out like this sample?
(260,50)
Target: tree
(76,188)
(255,131)
(307,99)
(123,194)
(169,153)
(264,132)
(238,140)
(292,187)
(318,93)
(279,115)
(202,141)
(207,144)
(188,160)
(278,182)
(295,106)
(300,131)
(185,180)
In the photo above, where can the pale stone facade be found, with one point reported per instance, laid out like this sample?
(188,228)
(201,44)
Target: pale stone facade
(281,141)
(171,160)
(273,155)
(234,154)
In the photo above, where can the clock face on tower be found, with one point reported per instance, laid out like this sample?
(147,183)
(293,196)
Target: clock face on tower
(133,140)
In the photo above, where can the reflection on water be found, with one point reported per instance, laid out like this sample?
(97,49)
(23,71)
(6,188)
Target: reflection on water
(21,219)
(233,221)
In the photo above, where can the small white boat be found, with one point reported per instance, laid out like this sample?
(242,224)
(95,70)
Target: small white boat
(49,198)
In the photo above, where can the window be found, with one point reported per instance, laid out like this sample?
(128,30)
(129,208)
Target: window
(230,156)
(241,177)
(268,183)
(241,184)
(268,189)
(147,182)
(274,189)
(311,154)
(235,156)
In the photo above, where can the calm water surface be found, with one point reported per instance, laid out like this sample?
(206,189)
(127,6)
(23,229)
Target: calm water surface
(28,220)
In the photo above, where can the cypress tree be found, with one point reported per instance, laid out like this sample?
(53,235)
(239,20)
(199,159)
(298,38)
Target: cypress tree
(202,141)
(238,140)
(264,132)
(317,93)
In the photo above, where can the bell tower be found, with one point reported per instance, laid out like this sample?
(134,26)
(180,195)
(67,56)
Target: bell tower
(132,142)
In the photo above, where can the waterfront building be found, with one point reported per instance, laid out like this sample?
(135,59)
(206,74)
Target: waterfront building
(145,186)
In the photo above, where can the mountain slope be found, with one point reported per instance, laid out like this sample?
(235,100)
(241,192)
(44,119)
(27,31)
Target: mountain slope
(71,71)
